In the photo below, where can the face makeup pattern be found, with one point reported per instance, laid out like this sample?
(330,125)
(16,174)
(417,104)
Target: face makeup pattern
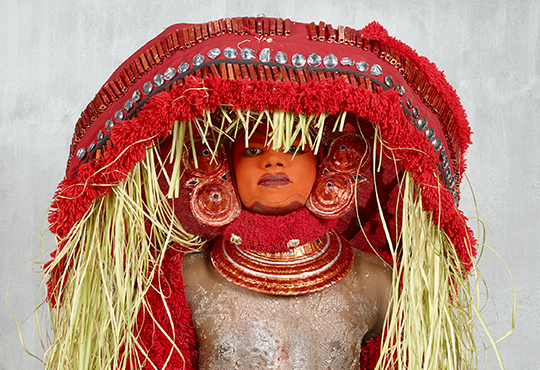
(270,181)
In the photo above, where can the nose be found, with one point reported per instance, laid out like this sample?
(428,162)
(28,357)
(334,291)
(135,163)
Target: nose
(273,159)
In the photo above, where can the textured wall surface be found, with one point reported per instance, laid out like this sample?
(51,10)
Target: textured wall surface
(57,54)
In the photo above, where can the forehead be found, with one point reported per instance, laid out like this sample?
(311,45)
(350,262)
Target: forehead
(258,137)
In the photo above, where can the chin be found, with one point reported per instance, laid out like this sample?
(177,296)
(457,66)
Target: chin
(275,210)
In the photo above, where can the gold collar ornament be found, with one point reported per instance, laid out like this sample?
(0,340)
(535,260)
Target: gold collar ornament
(305,269)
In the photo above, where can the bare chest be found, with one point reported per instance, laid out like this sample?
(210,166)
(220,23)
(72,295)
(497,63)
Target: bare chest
(241,329)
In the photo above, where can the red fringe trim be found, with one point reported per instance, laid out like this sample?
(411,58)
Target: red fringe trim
(371,351)
(437,79)
(189,101)
(157,346)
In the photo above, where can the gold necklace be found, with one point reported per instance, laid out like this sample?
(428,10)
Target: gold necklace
(305,269)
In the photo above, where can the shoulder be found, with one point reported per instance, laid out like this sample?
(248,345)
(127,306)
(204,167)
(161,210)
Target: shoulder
(371,265)
(374,273)
(196,263)
(195,259)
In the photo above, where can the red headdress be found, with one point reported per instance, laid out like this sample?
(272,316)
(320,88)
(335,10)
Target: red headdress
(356,80)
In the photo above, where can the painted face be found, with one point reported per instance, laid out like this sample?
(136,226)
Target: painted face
(271,182)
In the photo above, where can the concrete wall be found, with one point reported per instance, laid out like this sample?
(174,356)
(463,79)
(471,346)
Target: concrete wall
(56,54)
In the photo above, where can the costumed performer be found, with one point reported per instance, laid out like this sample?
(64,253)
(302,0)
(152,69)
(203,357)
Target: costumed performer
(192,147)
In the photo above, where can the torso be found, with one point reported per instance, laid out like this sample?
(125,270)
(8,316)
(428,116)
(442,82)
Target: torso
(241,329)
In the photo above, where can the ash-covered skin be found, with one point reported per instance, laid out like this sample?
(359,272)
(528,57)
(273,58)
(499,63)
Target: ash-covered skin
(241,329)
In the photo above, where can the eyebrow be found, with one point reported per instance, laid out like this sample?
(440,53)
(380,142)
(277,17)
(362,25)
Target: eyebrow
(252,139)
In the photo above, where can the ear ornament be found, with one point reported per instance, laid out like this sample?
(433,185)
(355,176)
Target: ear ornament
(340,173)
(213,199)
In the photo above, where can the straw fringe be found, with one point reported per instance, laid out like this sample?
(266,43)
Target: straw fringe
(114,255)
(431,320)
(112,261)
(197,98)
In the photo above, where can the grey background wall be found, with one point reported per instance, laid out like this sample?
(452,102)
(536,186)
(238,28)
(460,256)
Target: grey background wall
(56,54)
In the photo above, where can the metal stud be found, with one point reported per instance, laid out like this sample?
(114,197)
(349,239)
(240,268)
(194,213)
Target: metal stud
(91,146)
(247,53)
(409,104)
(100,135)
(421,124)
(81,153)
(447,173)
(298,60)
(452,183)
(230,53)
(430,133)
(445,161)
(183,67)
(158,80)
(314,60)
(264,55)
(376,70)
(119,115)
(198,60)
(389,81)
(128,105)
(213,53)
(347,61)
(362,66)
(400,89)
(280,57)
(147,87)
(169,73)
(330,61)
(415,112)
(136,96)
(109,124)
(437,143)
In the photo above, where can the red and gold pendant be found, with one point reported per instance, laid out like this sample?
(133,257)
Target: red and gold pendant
(305,269)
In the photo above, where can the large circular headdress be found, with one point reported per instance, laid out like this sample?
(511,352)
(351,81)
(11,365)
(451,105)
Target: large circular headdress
(199,80)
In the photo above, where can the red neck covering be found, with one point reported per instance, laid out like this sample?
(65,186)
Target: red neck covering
(274,232)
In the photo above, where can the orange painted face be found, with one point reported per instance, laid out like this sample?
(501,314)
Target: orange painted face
(271,182)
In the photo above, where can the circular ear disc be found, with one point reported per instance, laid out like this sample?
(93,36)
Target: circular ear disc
(214,202)
(340,172)
(213,199)
(348,153)
(332,195)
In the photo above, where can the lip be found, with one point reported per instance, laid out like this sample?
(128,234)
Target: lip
(273,180)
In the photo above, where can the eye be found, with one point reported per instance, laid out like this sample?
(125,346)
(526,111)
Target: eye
(293,149)
(251,152)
